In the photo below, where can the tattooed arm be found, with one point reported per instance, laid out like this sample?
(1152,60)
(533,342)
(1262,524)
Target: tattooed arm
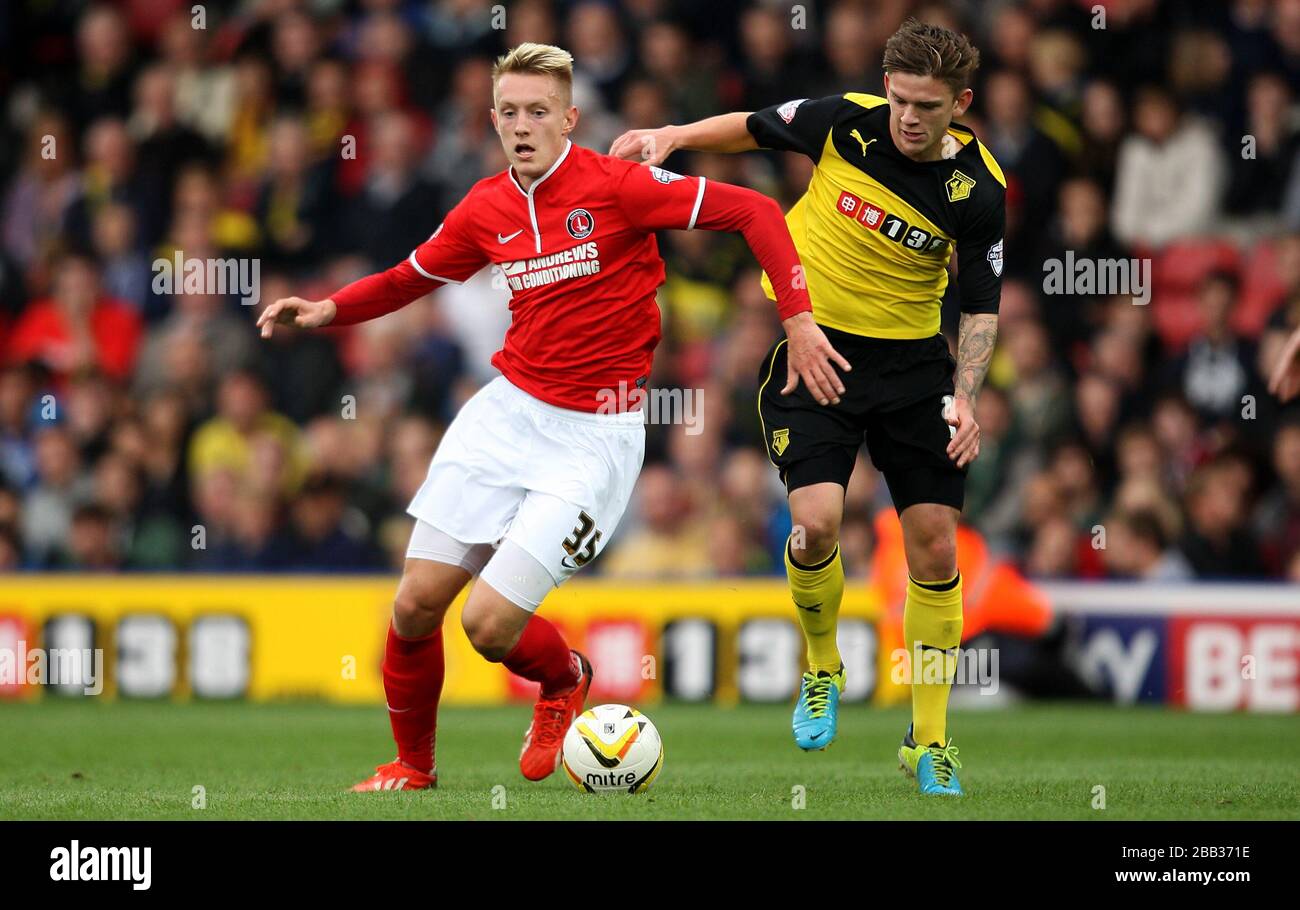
(976,338)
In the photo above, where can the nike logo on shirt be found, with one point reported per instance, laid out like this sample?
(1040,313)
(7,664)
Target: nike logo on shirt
(510,237)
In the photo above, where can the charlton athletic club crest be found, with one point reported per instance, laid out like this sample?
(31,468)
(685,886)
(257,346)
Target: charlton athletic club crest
(580,224)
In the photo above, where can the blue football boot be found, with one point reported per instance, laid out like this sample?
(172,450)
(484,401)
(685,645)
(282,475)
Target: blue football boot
(817,710)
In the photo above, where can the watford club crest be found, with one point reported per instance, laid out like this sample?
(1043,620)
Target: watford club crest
(959,186)
(780,441)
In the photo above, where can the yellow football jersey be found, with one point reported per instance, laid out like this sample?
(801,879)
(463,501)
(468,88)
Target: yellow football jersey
(875,230)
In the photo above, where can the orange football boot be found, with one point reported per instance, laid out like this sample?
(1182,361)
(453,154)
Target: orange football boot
(397,776)
(551,718)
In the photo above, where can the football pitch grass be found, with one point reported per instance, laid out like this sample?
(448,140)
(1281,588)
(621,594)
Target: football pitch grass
(87,760)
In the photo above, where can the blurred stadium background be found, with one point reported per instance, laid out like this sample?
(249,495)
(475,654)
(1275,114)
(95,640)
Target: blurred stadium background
(1134,477)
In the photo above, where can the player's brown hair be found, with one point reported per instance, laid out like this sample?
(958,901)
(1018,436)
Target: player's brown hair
(922,49)
(541,60)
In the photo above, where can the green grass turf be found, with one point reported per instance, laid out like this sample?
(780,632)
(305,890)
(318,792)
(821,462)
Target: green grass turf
(96,760)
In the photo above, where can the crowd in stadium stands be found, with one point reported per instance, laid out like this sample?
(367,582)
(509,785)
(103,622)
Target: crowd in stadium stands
(147,431)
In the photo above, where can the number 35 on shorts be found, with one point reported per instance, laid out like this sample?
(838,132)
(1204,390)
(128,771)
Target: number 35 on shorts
(581,544)
(949,410)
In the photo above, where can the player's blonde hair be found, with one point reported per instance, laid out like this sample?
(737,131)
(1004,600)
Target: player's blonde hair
(541,60)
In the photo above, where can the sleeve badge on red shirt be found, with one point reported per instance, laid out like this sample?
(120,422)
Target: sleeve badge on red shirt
(663,176)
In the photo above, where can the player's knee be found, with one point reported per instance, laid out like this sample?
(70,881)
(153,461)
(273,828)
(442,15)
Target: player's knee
(415,614)
(490,636)
(814,537)
(937,552)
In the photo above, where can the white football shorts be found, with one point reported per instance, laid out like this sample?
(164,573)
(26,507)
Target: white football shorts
(510,468)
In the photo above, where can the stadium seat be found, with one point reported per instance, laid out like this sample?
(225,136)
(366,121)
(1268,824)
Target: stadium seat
(1175,318)
(1262,290)
(1182,266)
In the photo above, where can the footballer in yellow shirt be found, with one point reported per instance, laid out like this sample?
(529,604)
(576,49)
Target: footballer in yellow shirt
(898,188)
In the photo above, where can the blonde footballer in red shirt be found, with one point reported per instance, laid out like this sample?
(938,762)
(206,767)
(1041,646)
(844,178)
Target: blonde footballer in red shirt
(533,474)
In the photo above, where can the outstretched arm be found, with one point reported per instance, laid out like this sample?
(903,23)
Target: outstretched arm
(449,256)
(724,133)
(366,298)
(655,200)
(799,126)
(723,207)
(758,218)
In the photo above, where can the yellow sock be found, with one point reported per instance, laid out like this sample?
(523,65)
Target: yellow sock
(932,620)
(817,591)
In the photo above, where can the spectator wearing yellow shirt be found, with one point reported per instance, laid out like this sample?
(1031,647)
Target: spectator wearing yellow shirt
(248,439)
(670,541)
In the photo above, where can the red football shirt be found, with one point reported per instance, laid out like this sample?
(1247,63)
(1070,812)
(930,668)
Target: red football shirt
(578,254)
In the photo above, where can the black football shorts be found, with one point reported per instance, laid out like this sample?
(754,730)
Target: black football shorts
(894,401)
